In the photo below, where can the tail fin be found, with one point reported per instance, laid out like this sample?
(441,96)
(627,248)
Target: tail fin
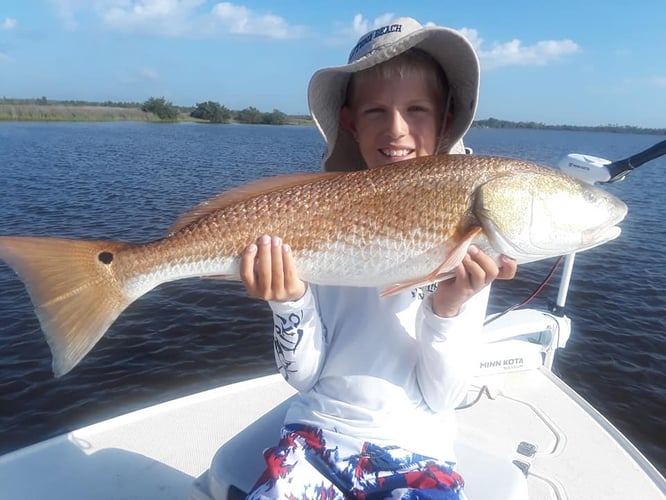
(73,288)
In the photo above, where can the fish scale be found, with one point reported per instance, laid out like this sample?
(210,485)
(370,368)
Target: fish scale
(392,227)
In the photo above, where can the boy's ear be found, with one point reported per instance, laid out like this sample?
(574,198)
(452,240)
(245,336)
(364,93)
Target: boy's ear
(444,132)
(447,121)
(347,120)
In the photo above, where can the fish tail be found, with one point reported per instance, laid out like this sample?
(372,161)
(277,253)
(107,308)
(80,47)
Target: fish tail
(74,290)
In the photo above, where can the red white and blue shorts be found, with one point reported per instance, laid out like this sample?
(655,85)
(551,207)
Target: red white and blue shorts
(312,463)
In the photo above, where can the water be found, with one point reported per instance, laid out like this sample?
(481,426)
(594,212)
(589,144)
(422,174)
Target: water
(129,181)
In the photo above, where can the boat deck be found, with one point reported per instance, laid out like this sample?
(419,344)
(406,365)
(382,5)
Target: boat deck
(577,452)
(158,452)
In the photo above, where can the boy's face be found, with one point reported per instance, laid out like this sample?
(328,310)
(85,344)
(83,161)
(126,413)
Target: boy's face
(393,120)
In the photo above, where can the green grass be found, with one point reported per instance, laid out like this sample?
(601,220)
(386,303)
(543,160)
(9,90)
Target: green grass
(63,112)
(92,113)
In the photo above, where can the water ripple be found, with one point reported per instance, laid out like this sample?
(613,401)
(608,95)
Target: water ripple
(129,181)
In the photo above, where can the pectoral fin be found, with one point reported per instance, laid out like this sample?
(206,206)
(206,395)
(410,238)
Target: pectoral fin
(441,272)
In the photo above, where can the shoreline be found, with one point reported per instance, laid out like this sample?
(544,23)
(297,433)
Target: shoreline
(96,113)
(93,112)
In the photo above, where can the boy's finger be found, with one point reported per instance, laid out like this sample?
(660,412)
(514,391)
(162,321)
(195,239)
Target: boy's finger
(262,264)
(288,266)
(277,272)
(508,268)
(247,267)
(292,282)
(476,274)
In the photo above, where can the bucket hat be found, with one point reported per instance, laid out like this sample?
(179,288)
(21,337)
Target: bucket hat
(449,48)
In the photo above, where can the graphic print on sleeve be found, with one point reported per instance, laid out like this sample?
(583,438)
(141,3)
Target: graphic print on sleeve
(287,338)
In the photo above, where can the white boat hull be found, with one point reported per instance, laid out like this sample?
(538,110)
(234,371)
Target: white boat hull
(167,451)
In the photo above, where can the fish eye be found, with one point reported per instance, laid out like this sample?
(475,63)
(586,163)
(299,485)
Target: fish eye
(589,196)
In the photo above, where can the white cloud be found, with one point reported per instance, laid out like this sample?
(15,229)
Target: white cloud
(174,18)
(149,74)
(361,26)
(514,53)
(161,17)
(346,34)
(657,81)
(473,36)
(67,10)
(8,24)
(240,20)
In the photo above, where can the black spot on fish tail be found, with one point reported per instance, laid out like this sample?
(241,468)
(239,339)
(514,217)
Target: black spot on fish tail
(105,257)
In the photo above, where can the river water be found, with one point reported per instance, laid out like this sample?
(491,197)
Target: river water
(129,181)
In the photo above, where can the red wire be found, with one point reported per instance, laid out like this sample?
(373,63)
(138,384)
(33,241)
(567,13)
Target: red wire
(536,292)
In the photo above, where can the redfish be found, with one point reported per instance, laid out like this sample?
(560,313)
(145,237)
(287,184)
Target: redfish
(393,227)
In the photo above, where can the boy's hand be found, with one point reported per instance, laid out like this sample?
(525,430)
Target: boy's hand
(268,272)
(474,273)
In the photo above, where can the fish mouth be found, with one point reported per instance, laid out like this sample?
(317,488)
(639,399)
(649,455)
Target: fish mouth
(600,236)
(609,231)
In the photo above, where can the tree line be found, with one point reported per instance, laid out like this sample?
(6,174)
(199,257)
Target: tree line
(210,111)
(625,129)
(213,112)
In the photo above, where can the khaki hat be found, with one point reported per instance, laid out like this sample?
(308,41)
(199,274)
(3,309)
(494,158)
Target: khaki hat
(449,48)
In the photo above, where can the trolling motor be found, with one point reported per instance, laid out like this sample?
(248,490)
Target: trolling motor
(592,169)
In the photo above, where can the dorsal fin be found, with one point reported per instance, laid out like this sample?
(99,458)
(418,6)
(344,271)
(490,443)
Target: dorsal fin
(244,192)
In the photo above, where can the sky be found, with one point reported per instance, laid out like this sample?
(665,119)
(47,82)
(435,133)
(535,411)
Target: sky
(584,62)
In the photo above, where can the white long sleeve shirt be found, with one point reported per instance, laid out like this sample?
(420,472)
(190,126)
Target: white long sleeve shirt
(382,369)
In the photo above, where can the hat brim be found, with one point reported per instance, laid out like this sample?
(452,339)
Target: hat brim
(328,86)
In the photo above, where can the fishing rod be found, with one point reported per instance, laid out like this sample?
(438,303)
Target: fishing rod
(592,169)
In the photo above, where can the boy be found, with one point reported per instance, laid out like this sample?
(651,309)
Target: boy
(378,378)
